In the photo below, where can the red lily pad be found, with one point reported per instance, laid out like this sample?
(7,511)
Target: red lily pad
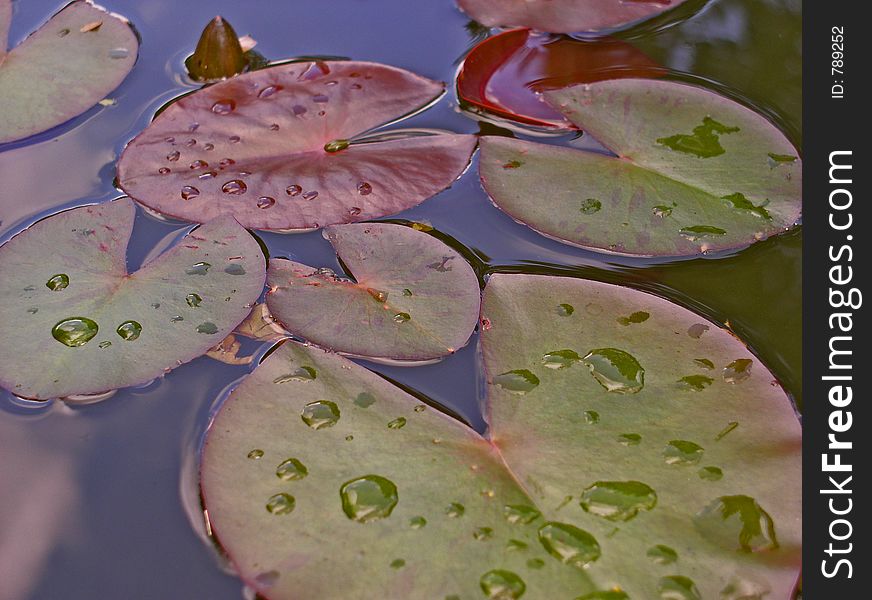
(564,16)
(412,298)
(272,148)
(62,69)
(505,74)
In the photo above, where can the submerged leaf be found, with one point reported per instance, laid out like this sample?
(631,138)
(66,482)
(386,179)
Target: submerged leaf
(692,174)
(564,16)
(276,148)
(219,53)
(62,69)
(80,324)
(412,297)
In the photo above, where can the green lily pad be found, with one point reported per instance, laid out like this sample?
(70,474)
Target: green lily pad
(635,497)
(695,172)
(279,148)
(315,464)
(62,69)
(412,297)
(81,324)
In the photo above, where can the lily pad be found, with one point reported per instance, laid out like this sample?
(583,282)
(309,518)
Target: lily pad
(315,463)
(744,525)
(564,16)
(81,324)
(62,69)
(694,172)
(505,74)
(411,296)
(276,149)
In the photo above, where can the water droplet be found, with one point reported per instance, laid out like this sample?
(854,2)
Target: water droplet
(364,400)
(193,300)
(235,187)
(234,139)
(618,500)
(291,470)
(398,563)
(265,202)
(682,452)
(605,595)
(500,584)
(104,344)
(737,523)
(569,544)
(407,292)
(174,156)
(293,190)
(304,373)
(255,454)
(75,331)
(208,328)
(515,546)
(208,147)
(662,211)
(320,99)
(224,107)
(129,330)
(710,474)
(207,175)
(364,188)
(630,439)
(191,143)
(697,232)
(368,498)
(320,414)
(119,53)
(512,164)
(354,211)
(281,504)
(200,268)
(590,206)
(401,317)
(455,510)
(704,142)
(198,164)
(743,589)
(310,195)
(723,432)
(63,32)
(177,319)
(696,383)
(704,363)
(695,331)
(378,295)
(483,533)
(299,110)
(189,192)
(662,555)
(420,408)
(780,159)
(226,162)
(519,381)
(737,371)
(520,514)
(615,370)
(269,91)
(591,417)
(274,127)
(164,171)
(397,423)
(336,145)
(635,318)
(677,587)
(417,522)
(234,269)
(58,282)
(565,310)
(560,359)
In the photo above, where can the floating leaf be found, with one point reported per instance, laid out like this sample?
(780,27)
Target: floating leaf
(564,16)
(651,488)
(104,328)
(219,53)
(504,74)
(62,69)
(412,297)
(276,148)
(693,172)
(370,489)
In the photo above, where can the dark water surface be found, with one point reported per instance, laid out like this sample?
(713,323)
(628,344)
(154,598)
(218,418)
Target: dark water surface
(100,501)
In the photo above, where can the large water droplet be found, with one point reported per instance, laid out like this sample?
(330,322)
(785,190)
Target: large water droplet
(520,514)
(129,330)
(336,145)
(519,381)
(235,187)
(662,555)
(677,587)
(500,584)
(281,504)
(618,500)
(364,188)
(224,107)
(75,331)
(738,370)
(58,282)
(304,373)
(364,400)
(199,268)
(368,498)
(255,454)
(320,414)
(616,370)
(737,523)
(266,202)
(268,91)
(560,359)
(569,544)
(188,192)
(682,452)
(291,470)
(401,317)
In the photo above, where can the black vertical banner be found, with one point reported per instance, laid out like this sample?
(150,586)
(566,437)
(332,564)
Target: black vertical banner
(837,424)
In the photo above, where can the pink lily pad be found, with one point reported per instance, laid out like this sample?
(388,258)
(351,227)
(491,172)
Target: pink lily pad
(272,148)
(564,16)
(412,298)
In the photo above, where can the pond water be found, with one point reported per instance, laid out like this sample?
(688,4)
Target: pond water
(101,500)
